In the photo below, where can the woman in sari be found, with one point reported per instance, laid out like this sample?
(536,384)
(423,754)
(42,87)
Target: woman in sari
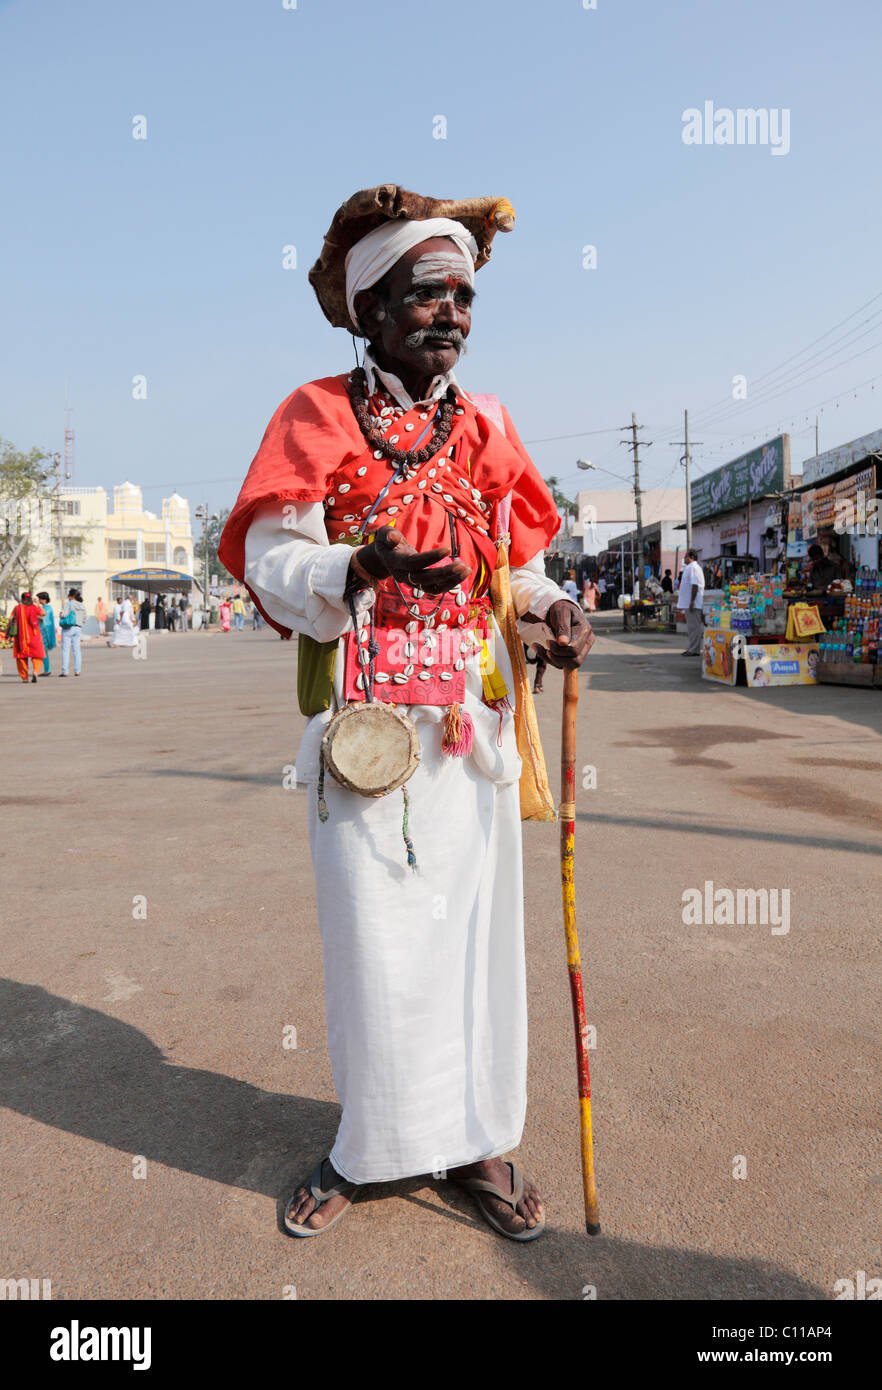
(27,641)
(589,595)
(224,611)
(47,631)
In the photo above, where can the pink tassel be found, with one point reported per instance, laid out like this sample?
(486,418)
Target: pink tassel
(459,733)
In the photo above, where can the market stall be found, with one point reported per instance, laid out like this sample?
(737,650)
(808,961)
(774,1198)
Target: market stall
(850,651)
(771,630)
(758,630)
(656,614)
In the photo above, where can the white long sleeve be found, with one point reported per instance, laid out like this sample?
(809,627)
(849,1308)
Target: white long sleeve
(296,574)
(531,589)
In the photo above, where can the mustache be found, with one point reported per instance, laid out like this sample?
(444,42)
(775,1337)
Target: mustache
(423,336)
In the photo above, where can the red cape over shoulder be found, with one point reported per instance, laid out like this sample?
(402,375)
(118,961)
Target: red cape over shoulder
(314,438)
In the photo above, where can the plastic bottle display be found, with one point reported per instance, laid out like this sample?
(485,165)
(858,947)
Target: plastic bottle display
(855,637)
(754,603)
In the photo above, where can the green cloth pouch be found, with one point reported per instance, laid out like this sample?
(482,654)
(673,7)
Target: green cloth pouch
(315,665)
(315,674)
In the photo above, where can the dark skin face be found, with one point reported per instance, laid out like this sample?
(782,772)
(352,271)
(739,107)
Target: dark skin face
(389,313)
(397,307)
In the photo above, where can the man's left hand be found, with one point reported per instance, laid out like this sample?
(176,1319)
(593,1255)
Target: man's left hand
(573,632)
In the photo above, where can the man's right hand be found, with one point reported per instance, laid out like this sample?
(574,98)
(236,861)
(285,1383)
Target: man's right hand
(391,555)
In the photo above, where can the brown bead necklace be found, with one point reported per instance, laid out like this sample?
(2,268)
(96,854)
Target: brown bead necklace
(404,459)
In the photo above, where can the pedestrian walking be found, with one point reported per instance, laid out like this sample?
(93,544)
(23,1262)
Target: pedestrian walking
(589,595)
(224,611)
(124,627)
(101,615)
(144,614)
(47,630)
(541,668)
(182,613)
(689,600)
(72,622)
(238,608)
(27,640)
(256,619)
(159,619)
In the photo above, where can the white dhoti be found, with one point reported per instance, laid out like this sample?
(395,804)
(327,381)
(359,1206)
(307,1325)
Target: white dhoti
(425,984)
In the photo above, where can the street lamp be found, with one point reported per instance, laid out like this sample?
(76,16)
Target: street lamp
(584,463)
(202,513)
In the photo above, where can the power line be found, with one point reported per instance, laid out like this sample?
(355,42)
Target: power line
(775,370)
(583,434)
(764,399)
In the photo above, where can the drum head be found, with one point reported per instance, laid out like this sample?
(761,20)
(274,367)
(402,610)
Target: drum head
(371,748)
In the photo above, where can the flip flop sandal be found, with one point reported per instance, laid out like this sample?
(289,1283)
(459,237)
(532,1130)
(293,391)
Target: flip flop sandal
(320,1195)
(511,1199)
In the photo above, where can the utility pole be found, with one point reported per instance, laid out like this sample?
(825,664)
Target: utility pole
(686,458)
(56,463)
(68,445)
(205,516)
(638,496)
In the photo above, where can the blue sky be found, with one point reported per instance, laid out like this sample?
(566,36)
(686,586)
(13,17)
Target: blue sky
(163,257)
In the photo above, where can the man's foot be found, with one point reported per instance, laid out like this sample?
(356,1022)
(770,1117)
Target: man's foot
(529,1211)
(301,1211)
(537,689)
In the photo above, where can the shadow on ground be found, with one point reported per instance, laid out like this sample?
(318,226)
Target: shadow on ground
(84,1072)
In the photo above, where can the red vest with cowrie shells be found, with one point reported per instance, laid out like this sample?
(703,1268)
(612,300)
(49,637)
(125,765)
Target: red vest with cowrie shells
(313,450)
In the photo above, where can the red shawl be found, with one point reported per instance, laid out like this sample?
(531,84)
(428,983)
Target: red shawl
(28,641)
(313,446)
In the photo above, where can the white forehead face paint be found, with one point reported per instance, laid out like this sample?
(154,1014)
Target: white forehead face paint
(438,267)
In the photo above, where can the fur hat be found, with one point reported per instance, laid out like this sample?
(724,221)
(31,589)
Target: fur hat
(364,211)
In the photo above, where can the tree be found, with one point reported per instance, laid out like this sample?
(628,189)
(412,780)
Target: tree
(210,544)
(25,511)
(27,508)
(561,501)
(22,475)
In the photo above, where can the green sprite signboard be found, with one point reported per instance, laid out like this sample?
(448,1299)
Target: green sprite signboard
(765,469)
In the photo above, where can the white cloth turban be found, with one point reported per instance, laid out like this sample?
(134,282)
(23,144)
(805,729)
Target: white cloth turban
(369,259)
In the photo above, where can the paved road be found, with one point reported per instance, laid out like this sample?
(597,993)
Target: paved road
(160,1038)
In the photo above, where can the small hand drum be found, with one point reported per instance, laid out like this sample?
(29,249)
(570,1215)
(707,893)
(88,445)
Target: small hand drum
(371,749)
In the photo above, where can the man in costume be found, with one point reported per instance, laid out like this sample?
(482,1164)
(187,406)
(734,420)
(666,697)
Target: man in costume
(378,521)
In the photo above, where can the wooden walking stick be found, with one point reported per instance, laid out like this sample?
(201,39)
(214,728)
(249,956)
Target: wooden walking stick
(567,816)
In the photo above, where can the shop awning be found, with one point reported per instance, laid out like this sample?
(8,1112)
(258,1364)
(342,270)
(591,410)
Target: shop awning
(152,579)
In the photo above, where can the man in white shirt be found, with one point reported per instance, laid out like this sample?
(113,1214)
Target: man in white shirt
(690,598)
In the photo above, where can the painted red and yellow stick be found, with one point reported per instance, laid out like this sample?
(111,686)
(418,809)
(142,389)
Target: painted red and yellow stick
(567,816)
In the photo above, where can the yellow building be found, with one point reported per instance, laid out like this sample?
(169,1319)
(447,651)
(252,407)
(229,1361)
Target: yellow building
(100,543)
